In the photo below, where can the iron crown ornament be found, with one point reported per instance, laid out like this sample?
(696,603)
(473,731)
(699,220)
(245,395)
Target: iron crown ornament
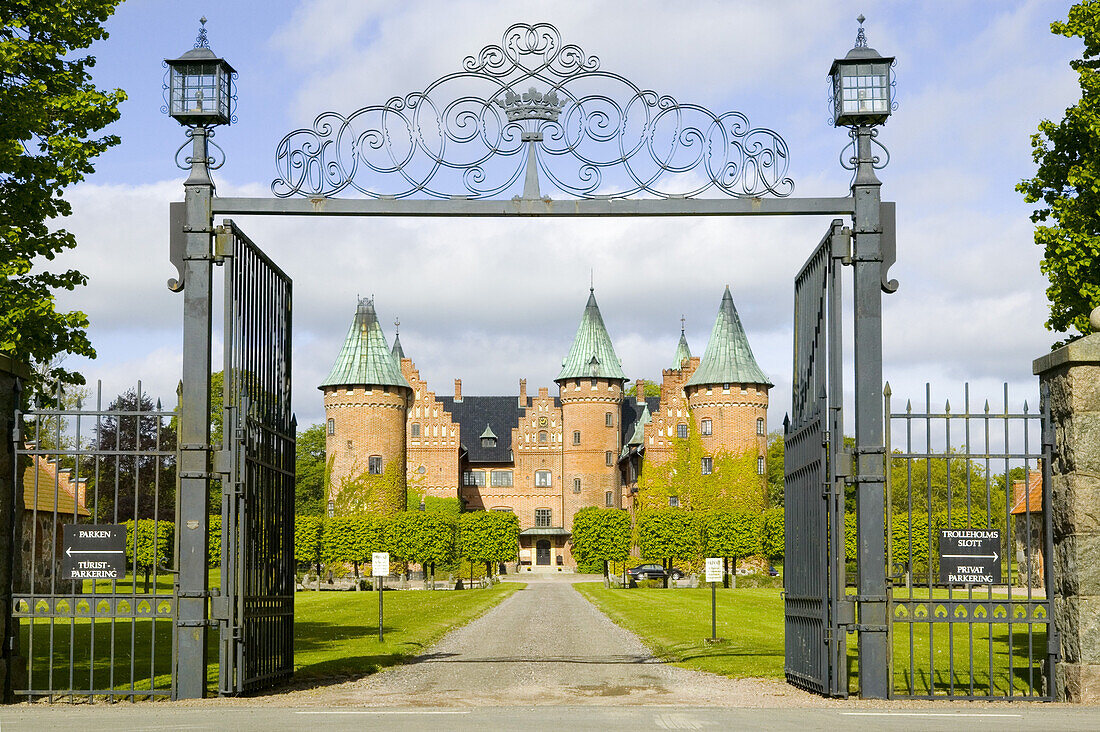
(531,109)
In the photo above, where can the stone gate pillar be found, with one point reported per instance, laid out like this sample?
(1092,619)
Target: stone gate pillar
(1073,374)
(12,374)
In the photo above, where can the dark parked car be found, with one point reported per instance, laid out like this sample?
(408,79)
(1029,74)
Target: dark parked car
(652,571)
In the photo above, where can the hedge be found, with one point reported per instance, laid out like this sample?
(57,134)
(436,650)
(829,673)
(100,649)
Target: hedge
(155,541)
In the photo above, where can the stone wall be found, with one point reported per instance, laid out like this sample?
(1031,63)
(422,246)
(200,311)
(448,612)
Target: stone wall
(1072,374)
(11,374)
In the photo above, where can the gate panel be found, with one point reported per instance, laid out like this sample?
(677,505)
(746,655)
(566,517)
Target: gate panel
(100,637)
(256,621)
(971,623)
(814,602)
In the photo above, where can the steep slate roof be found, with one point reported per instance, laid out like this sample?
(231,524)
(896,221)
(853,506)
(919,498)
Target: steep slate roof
(475,414)
(634,415)
(683,353)
(398,352)
(365,357)
(728,358)
(592,354)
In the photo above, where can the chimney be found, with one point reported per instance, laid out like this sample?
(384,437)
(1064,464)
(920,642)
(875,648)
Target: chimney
(458,390)
(639,391)
(544,392)
(523,393)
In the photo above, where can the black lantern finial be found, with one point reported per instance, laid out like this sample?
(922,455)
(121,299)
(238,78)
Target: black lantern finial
(201,41)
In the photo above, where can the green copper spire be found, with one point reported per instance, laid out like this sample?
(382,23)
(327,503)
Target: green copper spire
(366,358)
(683,353)
(728,358)
(592,355)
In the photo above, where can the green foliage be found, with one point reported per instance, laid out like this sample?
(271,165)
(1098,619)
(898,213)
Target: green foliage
(668,533)
(649,389)
(774,468)
(943,477)
(773,536)
(422,536)
(214,540)
(734,484)
(353,538)
(50,110)
(731,534)
(599,535)
(310,476)
(1067,182)
(376,495)
(154,541)
(488,536)
(307,539)
(434,504)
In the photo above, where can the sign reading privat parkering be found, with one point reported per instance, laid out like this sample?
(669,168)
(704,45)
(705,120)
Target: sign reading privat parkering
(380,564)
(93,551)
(970,556)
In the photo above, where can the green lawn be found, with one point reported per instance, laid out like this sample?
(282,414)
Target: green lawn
(674,624)
(335,636)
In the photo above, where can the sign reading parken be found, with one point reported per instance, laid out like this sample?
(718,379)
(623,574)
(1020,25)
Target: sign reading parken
(93,551)
(970,556)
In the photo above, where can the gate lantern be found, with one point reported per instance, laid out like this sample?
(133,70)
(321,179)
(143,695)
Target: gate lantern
(200,86)
(861,85)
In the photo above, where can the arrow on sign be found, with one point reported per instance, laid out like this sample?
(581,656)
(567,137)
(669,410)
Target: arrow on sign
(70,551)
(994,556)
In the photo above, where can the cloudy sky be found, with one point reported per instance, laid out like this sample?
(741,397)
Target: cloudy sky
(491,301)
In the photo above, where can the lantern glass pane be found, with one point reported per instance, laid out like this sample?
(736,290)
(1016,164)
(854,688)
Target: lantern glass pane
(864,89)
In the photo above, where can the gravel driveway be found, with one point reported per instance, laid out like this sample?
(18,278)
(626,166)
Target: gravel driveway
(545,644)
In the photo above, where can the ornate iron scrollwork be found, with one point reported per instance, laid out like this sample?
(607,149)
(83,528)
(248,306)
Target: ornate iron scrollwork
(466,133)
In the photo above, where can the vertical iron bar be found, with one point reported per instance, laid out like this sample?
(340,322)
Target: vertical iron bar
(1047,427)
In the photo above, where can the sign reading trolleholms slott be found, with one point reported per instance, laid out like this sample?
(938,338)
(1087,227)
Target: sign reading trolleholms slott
(93,551)
(970,556)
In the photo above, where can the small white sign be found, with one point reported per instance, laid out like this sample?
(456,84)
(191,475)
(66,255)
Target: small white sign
(714,569)
(380,564)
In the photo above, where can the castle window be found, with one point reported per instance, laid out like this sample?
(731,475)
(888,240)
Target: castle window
(682,431)
(544,437)
(349,444)
(374,465)
(473,477)
(760,466)
(705,427)
(576,485)
(725,388)
(488,442)
(609,419)
(609,498)
(542,518)
(674,501)
(543,478)
(759,425)
(416,429)
(608,458)
(502,509)
(577,437)
(332,426)
(502,478)
(593,384)
(707,465)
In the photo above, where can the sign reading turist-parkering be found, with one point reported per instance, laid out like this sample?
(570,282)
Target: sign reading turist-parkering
(93,551)
(970,556)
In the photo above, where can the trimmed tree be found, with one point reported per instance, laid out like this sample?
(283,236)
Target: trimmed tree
(307,542)
(773,540)
(601,534)
(731,535)
(352,539)
(489,537)
(149,545)
(668,534)
(424,537)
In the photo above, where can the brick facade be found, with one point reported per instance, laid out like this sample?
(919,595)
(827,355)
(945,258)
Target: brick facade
(363,423)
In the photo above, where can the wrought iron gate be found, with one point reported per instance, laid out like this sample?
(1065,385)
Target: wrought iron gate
(983,473)
(107,636)
(255,611)
(815,611)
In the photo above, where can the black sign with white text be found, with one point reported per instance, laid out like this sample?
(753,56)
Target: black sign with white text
(93,551)
(970,556)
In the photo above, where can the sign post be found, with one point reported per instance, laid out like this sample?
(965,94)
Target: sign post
(380,567)
(93,551)
(714,576)
(970,556)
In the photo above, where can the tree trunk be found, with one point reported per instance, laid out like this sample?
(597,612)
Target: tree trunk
(146,580)
(733,575)
(666,563)
(356,565)
(725,573)
(606,576)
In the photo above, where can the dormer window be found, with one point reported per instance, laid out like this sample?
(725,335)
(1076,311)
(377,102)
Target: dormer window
(488,442)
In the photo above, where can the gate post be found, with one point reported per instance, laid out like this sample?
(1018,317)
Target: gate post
(195,223)
(869,452)
(1071,374)
(12,374)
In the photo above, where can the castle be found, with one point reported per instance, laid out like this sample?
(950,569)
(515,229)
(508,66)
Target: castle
(543,457)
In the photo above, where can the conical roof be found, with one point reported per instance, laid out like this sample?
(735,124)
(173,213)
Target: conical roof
(683,353)
(728,358)
(398,352)
(365,358)
(592,355)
